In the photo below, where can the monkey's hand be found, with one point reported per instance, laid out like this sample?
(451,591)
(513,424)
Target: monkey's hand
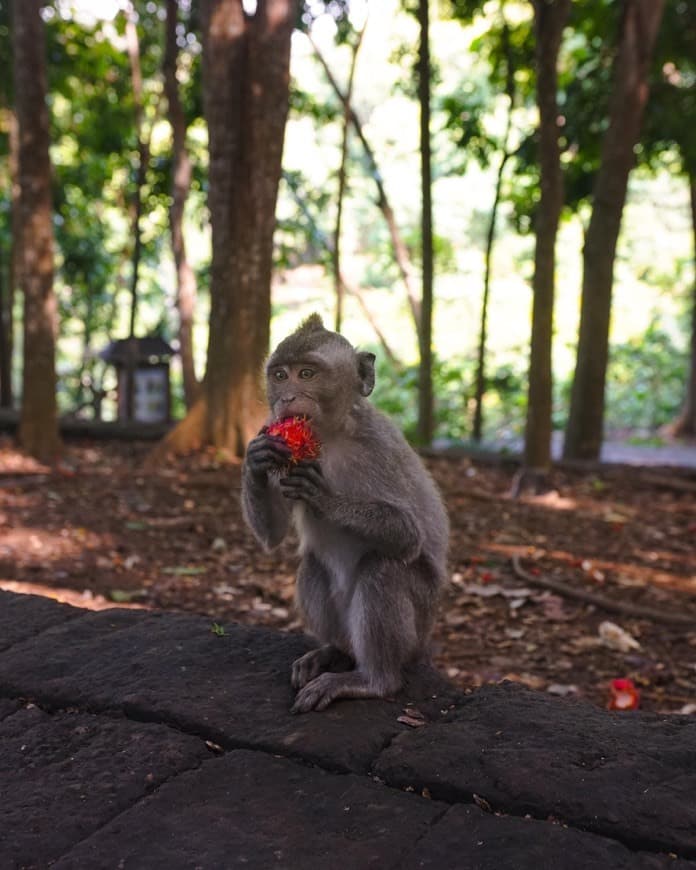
(306,482)
(264,454)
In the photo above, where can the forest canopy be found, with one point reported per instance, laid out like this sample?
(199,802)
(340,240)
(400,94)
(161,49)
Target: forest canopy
(498,198)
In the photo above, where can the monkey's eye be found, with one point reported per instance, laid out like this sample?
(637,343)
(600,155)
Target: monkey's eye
(280,375)
(306,374)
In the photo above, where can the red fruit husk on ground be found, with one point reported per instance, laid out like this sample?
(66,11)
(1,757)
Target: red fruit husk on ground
(624,695)
(298,435)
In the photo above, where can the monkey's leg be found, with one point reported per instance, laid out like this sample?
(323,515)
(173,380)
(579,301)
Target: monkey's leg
(317,661)
(322,619)
(383,634)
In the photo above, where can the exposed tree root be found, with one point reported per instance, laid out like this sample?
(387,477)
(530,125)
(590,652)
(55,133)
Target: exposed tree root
(625,607)
(186,436)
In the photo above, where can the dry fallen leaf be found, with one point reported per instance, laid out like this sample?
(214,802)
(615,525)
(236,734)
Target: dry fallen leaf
(482,803)
(412,717)
(562,690)
(615,637)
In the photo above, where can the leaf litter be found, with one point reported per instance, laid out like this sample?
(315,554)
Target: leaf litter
(112,534)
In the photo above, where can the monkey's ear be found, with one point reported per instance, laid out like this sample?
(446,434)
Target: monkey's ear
(366,371)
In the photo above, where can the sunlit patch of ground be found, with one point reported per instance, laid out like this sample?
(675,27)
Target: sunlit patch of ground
(87,600)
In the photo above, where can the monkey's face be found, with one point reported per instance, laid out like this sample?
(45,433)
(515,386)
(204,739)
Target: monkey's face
(317,374)
(320,385)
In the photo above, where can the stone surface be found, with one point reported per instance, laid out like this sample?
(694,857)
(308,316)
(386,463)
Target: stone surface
(470,839)
(126,738)
(234,690)
(64,776)
(8,707)
(255,811)
(631,777)
(24,616)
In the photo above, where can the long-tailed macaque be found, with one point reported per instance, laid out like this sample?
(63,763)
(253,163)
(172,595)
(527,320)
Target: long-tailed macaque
(372,528)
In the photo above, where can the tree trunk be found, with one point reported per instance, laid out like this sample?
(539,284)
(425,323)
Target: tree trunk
(186,290)
(425,332)
(550,18)
(5,332)
(639,28)
(246,62)
(38,427)
(480,389)
(133,48)
(11,270)
(685,426)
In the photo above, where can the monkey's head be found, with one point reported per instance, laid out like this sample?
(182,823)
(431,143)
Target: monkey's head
(318,374)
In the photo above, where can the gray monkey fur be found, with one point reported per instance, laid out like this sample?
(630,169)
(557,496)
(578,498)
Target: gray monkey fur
(371,524)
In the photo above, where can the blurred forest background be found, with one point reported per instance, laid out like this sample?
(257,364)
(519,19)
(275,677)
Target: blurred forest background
(498,197)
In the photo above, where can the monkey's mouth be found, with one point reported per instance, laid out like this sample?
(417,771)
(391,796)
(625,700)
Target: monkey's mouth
(302,417)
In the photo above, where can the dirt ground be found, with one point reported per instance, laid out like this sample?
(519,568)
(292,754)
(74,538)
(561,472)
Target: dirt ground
(103,531)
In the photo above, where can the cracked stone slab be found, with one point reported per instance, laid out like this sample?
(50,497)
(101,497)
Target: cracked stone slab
(470,839)
(630,777)
(24,616)
(250,809)
(64,776)
(234,689)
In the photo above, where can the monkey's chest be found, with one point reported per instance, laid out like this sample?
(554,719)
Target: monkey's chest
(336,550)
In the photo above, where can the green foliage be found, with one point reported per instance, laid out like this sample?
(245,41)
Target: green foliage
(339,10)
(673,89)
(301,234)
(396,394)
(645,381)
(94,153)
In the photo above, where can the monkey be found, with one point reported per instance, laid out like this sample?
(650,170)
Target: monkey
(372,527)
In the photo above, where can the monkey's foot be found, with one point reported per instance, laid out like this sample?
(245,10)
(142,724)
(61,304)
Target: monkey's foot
(328,687)
(316,661)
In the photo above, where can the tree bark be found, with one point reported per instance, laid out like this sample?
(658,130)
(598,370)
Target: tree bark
(133,47)
(480,388)
(38,428)
(246,59)
(550,17)
(639,27)
(11,270)
(5,332)
(425,427)
(186,290)
(685,426)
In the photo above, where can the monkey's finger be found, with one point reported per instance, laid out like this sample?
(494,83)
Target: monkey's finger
(266,454)
(267,444)
(303,703)
(309,475)
(316,695)
(311,465)
(296,489)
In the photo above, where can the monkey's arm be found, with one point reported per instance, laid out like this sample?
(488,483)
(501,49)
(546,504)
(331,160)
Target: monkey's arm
(264,510)
(385,526)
